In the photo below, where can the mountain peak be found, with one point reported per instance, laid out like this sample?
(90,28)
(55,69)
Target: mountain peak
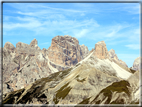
(137,64)
(34,43)
(9,46)
(101,50)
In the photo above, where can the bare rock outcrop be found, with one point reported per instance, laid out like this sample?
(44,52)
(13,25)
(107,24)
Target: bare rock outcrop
(23,65)
(9,46)
(65,51)
(84,51)
(91,81)
(137,64)
(113,56)
(26,63)
(101,50)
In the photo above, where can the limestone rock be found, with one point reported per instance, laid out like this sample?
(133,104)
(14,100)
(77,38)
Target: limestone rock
(137,64)
(64,51)
(23,65)
(34,43)
(113,56)
(9,46)
(101,50)
(84,51)
(134,81)
(92,81)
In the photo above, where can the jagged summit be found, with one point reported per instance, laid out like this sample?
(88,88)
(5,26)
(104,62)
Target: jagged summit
(137,65)
(27,63)
(101,50)
(101,43)
(9,46)
(113,56)
(67,73)
(65,51)
(34,43)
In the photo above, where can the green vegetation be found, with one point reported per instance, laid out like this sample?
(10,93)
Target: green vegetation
(28,65)
(121,86)
(10,98)
(85,101)
(36,88)
(77,64)
(62,93)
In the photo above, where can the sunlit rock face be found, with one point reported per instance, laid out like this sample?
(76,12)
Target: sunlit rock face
(66,73)
(22,65)
(101,50)
(66,51)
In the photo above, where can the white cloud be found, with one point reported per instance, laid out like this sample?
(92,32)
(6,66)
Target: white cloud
(133,46)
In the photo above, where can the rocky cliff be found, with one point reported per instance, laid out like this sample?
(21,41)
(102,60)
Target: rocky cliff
(65,51)
(93,77)
(91,81)
(137,64)
(24,64)
(113,56)
(101,50)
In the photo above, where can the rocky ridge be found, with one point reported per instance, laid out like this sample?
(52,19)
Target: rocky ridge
(113,56)
(24,64)
(94,80)
(137,64)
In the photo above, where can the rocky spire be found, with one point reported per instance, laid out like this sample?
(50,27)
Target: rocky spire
(137,64)
(101,50)
(34,43)
(9,46)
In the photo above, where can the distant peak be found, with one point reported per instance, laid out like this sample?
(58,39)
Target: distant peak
(101,43)
(9,45)
(33,43)
(112,51)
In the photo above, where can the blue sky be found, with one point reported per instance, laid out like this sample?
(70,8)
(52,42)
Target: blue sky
(118,24)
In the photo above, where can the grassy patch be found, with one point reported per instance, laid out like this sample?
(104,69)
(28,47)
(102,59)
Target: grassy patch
(80,80)
(62,93)
(36,88)
(10,98)
(77,64)
(119,87)
(85,101)
(28,65)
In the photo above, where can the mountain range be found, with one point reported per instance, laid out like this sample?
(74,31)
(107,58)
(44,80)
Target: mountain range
(68,73)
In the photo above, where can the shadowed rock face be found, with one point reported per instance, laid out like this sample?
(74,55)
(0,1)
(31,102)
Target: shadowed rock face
(137,64)
(25,64)
(66,51)
(85,83)
(113,56)
(94,80)
(84,51)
